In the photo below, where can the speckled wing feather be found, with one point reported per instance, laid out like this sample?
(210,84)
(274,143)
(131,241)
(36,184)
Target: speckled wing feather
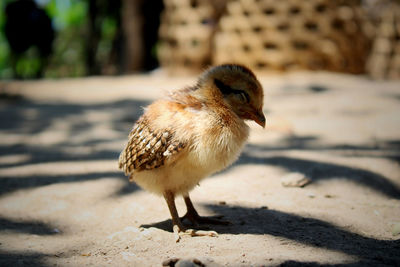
(147,148)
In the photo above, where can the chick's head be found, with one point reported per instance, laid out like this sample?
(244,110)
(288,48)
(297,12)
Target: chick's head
(239,89)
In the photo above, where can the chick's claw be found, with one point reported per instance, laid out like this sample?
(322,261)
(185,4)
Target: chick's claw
(178,233)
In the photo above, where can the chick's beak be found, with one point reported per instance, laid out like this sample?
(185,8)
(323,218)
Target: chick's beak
(259,118)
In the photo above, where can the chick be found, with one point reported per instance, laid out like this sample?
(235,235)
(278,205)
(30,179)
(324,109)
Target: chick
(191,134)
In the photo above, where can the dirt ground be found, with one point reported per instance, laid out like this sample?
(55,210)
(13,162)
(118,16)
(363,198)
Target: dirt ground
(63,202)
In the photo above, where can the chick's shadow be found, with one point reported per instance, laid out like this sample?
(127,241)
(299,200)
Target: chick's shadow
(309,231)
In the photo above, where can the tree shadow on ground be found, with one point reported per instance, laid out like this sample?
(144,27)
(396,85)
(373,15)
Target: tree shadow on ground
(317,170)
(28,227)
(22,116)
(12,258)
(39,154)
(11,184)
(386,149)
(26,116)
(8,258)
(292,263)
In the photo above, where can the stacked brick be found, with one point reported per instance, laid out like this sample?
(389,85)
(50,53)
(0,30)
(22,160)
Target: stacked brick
(185,35)
(266,35)
(384,61)
(290,34)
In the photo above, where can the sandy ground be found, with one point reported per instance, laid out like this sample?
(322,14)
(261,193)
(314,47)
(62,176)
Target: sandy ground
(63,202)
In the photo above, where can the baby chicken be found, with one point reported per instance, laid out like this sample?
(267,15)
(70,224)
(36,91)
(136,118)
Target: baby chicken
(194,132)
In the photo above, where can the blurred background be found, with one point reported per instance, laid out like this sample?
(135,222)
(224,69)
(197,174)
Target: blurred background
(71,38)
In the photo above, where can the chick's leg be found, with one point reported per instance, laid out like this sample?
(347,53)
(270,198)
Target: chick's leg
(196,219)
(176,221)
(178,227)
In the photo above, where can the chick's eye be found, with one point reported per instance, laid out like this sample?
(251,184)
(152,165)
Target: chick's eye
(244,97)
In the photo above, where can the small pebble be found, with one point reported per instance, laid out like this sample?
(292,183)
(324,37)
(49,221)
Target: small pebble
(222,203)
(396,229)
(295,179)
(311,195)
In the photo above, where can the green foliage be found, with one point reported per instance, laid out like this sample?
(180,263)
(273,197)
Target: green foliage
(28,65)
(5,67)
(68,58)
(108,31)
(67,13)
(69,19)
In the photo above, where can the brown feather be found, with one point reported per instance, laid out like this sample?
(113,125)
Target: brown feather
(147,148)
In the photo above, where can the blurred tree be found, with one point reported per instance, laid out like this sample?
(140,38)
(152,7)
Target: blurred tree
(140,23)
(104,15)
(151,11)
(70,21)
(122,36)
(28,26)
